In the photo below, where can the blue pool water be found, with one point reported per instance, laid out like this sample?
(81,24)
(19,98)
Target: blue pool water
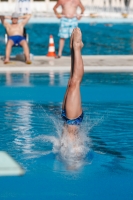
(30,129)
(99,39)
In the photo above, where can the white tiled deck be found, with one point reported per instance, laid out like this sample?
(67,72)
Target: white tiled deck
(91,63)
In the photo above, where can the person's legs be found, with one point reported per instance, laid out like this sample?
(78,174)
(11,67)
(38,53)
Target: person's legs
(63,34)
(72,100)
(24,44)
(9,45)
(71,73)
(61,46)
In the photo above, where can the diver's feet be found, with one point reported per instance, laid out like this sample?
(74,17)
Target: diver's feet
(76,39)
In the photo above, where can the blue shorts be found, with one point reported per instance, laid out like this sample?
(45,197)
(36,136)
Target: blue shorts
(66,27)
(16,39)
(76,121)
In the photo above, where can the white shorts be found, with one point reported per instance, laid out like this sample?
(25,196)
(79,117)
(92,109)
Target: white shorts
(66,27)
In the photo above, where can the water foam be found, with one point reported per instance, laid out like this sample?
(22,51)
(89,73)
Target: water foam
(70,150)
(74,150)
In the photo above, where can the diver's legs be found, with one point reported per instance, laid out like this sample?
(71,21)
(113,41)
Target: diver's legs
(72,65)
(72,102)
(64,101)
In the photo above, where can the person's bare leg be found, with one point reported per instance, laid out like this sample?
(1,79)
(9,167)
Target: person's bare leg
(24,44)
(8,51)
(71,73)
(64,101)
(73,100)
(61,46)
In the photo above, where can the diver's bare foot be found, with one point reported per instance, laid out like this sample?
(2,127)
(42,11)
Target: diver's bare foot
(77,39)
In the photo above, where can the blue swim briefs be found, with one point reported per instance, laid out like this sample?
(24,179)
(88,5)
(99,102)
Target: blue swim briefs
(16,39)
(76,121)
(66,27)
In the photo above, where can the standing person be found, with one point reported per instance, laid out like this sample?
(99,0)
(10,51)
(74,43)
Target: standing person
(15,34)
(72,109)
(69,19)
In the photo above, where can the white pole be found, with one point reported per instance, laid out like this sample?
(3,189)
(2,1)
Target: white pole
(89,5)
(118,4)
(131,4)
(107,4)
(97,4)
(101,4)
(47,5)
(122,5)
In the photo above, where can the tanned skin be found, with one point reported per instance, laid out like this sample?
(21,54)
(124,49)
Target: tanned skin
(16,28)
(69,10)
(72,99)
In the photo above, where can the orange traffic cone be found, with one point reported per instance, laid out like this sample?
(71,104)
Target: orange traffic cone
(51,49)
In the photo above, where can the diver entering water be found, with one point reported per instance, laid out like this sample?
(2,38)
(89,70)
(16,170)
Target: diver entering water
(72,109)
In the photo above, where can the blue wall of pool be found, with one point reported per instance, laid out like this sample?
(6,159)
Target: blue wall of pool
(99,39)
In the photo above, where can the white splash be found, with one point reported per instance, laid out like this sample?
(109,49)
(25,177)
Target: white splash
(71,150)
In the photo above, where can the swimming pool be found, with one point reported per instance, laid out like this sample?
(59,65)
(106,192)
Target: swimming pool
(99,39)
(30,107)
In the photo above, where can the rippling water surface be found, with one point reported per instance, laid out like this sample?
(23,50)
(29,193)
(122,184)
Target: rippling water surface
(31,127)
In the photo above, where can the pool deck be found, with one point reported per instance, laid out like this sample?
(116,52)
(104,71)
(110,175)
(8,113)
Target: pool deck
(91,63)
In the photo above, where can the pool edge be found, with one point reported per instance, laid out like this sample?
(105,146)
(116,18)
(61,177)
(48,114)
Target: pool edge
(40,69)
